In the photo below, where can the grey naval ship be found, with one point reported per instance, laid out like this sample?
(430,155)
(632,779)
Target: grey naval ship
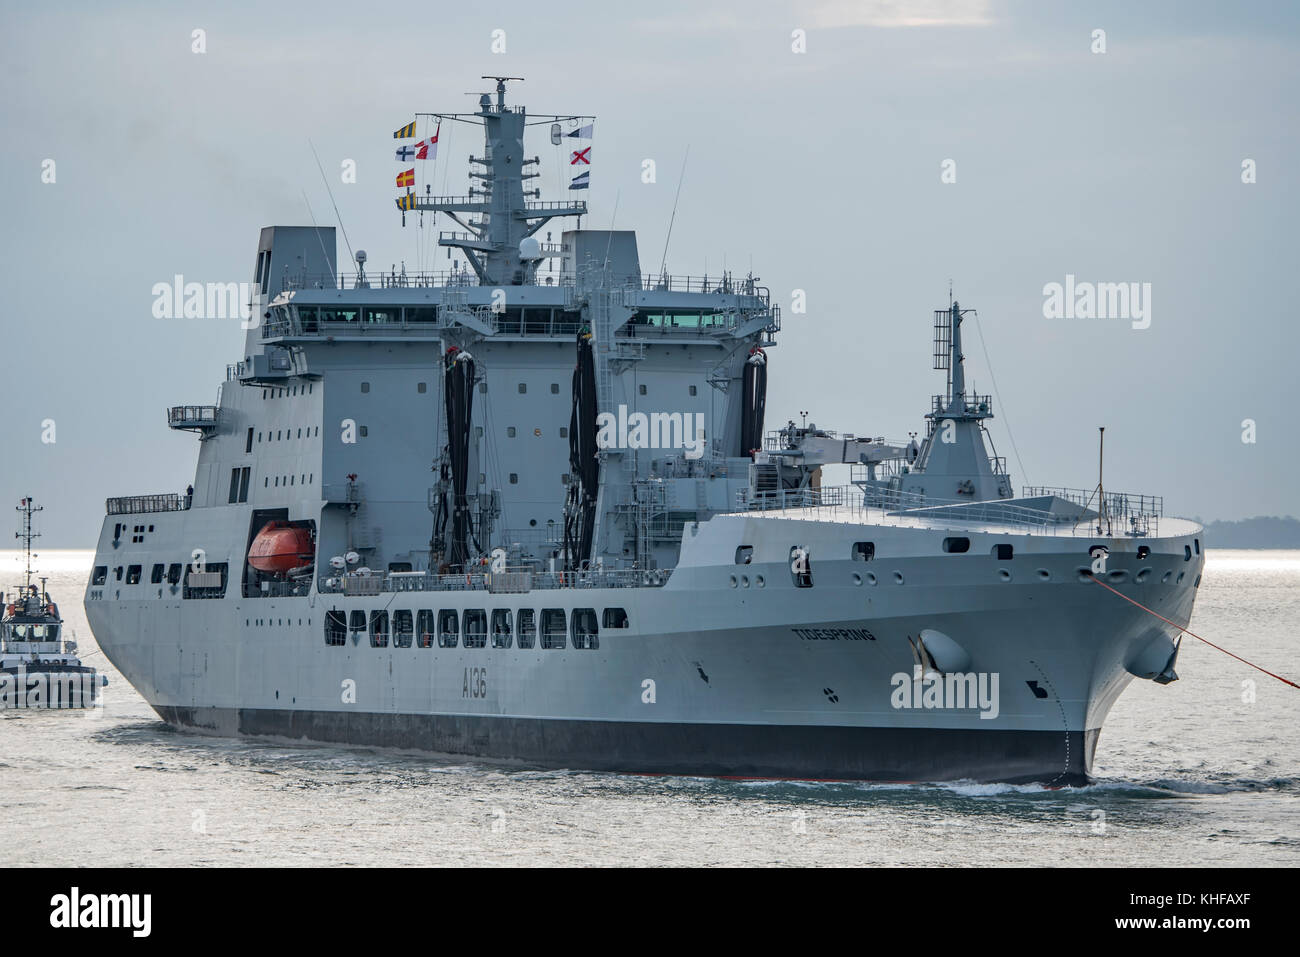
(527,510)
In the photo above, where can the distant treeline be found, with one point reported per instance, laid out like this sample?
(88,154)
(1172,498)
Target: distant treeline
(1265,531)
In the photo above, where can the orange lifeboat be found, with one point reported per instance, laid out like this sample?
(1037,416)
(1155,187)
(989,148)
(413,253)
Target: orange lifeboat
(280,547)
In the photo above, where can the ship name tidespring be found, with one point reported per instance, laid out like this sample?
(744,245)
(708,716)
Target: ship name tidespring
(834,634)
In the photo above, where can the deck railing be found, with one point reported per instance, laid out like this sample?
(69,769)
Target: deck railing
(511,581)
(138,504)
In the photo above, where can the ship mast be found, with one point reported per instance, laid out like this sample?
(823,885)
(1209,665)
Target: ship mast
(27,509)
(506,213)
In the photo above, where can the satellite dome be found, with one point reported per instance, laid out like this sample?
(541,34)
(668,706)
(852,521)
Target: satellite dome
(530,248)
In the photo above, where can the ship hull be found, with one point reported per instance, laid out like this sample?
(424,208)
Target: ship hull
(730,670)
(880,754)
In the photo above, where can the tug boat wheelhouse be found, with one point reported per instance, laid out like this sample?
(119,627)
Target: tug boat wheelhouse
(520,512)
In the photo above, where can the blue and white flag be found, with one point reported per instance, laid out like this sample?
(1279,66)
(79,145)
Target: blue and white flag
(405,154)
(581,181)
(582,132)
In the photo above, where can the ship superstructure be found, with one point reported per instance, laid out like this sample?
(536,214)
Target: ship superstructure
(529,513)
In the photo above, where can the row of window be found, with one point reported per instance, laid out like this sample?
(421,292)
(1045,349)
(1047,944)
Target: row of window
(239,483)
(281,435)
(550,629)
(209,583)
(289,390)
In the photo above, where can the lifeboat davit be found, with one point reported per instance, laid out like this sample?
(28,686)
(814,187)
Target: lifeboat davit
(280,547)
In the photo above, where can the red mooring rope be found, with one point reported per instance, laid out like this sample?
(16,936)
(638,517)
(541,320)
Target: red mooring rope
(1286,681)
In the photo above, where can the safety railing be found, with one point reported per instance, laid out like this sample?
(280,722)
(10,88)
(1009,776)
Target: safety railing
(886,506)
(511,581)
(138,504)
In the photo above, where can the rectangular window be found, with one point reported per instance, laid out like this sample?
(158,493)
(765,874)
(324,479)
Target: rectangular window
(379,629)
(100,576)
(475,628)
(248,441)
(233,497)
(744,554)
(156,576)
(1003,552)
(174,573)
(955,545)
(243,483)
(336,628)
(527,627)
(800,567)
(586,633)
(357,622)
(502,633)
(553,630)
(448,628)
(424,628)
(133,575)
(209,583)
(614,618)
(864,551)
(403,629)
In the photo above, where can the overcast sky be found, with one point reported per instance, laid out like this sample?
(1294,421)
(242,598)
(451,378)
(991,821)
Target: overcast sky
(820,169)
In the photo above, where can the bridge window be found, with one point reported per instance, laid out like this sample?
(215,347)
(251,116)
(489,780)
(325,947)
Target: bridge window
(614,618)
(448,628)
(379,629)
(403,629)
(864,551)
(133,575)
(424,628)
(336,628)
(100,576)
(502,633)
(801,567)
(527,627)
(586,633)
(156,576)
(475,628)
(553,630)
(955,546)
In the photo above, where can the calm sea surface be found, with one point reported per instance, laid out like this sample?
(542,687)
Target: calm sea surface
(1189,774)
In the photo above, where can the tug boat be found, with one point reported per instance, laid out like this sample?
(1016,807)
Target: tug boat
(38,668)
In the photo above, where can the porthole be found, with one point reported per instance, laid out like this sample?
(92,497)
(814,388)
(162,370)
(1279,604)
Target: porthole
(1143,575)
(1165,577)
(1118,575)
(744,581)
(898,578)
(733,581)
(1044,574)
(760,581)
(871,578)
(1004,574)
(857,579)
(1179,579)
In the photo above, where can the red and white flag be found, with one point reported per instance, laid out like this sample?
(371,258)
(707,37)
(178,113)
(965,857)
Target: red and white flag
(428,149)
